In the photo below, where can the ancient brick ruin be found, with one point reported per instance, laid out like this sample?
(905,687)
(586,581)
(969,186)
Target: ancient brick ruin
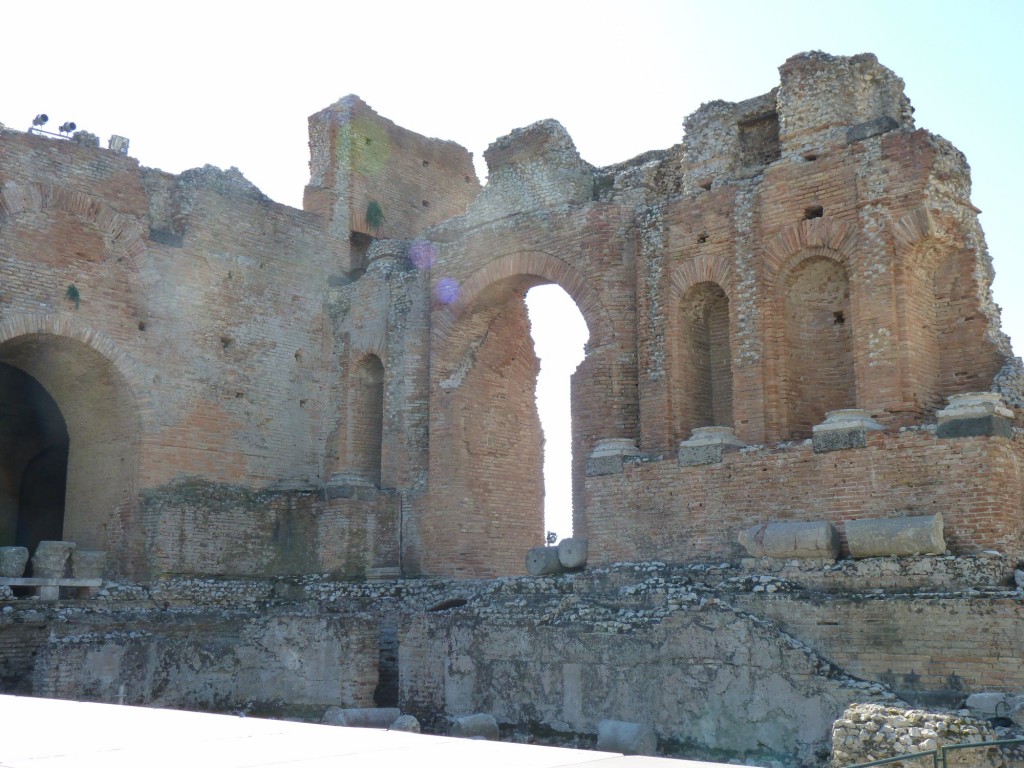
(249,407)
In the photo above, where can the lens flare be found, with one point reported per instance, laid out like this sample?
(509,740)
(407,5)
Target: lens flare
(447,290)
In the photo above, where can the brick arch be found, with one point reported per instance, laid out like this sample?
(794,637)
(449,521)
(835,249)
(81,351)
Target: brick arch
(61,324)
(834,239)
(542,265)
(28,198)
(703,269)
(97,388)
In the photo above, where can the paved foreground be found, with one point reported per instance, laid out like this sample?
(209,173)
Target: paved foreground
(50,733)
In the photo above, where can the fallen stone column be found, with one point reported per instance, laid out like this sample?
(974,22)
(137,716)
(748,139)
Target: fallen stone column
(817,539)
(543,561)
(572,553)
(895,536)
(627,738)
(478,726)
(361,717)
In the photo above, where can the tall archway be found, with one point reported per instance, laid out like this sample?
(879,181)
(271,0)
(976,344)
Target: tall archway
(818,343)
(703,361)
(486,482)
(97,447)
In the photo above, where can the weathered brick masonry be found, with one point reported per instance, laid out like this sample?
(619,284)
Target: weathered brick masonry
(250,407)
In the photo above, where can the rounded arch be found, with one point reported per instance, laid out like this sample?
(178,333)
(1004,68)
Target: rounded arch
(815,330)
(538,264)
(834,239)
(702,358)
(702,269)
(124,231)
(94,386)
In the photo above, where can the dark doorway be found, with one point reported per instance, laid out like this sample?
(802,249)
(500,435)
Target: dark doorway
(33,461)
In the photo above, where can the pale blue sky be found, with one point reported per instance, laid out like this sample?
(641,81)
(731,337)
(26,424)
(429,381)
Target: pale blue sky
(231,84)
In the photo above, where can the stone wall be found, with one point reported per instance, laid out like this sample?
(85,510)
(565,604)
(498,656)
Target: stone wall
(696,513)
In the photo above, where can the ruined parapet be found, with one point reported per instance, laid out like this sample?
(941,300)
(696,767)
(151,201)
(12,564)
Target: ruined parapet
(532,168)
(826,99)
(370,178)
(726,140)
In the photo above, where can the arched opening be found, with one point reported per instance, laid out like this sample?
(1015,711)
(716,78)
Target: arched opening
(486,470)
(72,467)
(33,461)
(366,410)
(559,335)
(704,362)
(818,343)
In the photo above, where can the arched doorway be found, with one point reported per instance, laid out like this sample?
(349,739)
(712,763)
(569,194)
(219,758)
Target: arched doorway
(33,461)
(73,466)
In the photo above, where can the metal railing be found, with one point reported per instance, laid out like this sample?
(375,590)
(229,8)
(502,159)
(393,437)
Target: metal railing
(938,755)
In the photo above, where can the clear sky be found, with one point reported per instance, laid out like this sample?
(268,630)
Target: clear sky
(231,84)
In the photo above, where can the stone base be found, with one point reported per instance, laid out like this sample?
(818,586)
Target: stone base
(694,455)
(978,426)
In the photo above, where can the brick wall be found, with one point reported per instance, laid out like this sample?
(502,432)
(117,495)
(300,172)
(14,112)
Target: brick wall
(684,514)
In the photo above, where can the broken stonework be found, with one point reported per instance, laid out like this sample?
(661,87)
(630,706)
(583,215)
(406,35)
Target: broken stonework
(792,540)
(572,553)
(869,732)
(13,561)
(50,559)
(361,717)
(989,704)
(478,726)
(406,723)
(628,738)
(975,414)
(88,564)
(845,428)
(895,536)
(543,561)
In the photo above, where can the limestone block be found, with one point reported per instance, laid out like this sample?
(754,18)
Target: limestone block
(628,738)
(13,561)
(88,563)
(818,539)
(989,704)
(361,717)
(608,455)
(1017,713)
(50,559)
(479,725)
(707,445)
(406,723)
(842,429)
(543,561)
(894,536)
(975,414)
(572,553)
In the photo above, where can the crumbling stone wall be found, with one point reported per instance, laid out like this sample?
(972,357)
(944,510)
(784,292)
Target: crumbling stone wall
(804,250)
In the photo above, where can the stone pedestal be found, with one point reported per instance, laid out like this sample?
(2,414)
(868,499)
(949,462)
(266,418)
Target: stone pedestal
(13,561)
(88,564)
(842,429)
(50,558)
(608,455)
(707,445)
(975,414)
